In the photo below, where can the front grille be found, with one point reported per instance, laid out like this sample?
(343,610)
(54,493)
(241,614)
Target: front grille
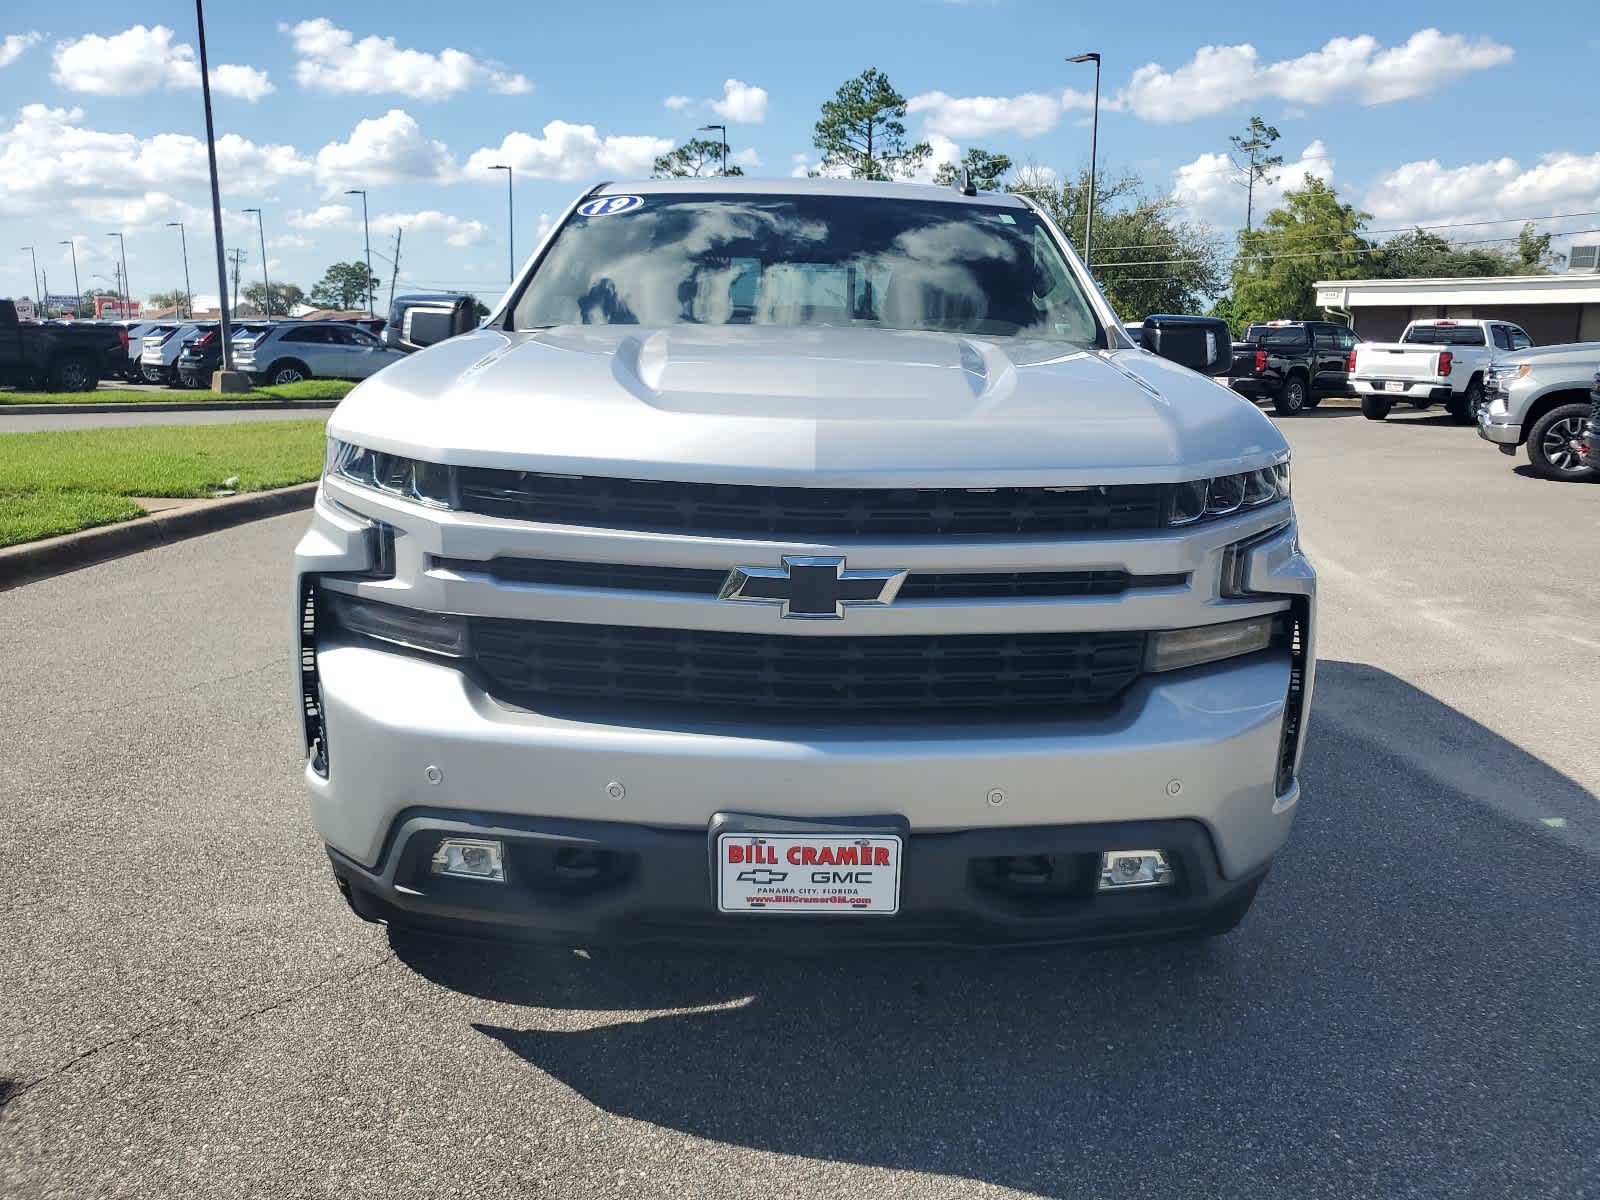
(316,733)
(807,514)
(535,663)
(919,585)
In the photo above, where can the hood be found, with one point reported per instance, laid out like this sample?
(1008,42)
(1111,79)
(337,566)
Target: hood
(1577,353)
(841,407)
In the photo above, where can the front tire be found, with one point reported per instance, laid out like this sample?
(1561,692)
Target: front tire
(1550,449)
(73,375)
(1291,397)
(288,372)
(150,374)
(1374,408)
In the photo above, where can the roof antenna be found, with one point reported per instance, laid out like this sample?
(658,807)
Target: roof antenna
(964,184)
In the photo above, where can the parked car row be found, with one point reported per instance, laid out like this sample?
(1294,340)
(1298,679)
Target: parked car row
(185,354)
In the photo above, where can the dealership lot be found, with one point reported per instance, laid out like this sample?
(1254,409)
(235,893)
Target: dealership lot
(1410,1008)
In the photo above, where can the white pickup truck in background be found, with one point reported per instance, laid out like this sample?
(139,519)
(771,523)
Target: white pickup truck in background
(1437,361)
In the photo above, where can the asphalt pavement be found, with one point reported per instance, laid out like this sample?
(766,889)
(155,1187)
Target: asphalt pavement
(1410,1009)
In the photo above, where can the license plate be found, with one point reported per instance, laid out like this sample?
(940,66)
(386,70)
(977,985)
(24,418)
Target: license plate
(833,874)
(1394,385)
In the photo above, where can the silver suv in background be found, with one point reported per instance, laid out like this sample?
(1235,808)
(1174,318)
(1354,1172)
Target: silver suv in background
(296,350)
(1540,399)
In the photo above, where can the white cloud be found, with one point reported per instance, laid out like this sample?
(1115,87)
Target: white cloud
(13,44)
(802,166)
(1426,190)
(1207,187)
(675,103)
(246,83)
(331,60)
(945,150)
(1220,77)
(47,154)
(567,151)
(142,59)
(387,149)
(1027,115)
(748,159)
(456,232)
(741,102)
(328,216)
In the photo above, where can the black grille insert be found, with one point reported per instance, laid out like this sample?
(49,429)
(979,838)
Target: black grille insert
(804,513)
(535,663)
(919,585)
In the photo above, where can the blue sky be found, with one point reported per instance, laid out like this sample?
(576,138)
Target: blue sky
(1431,113)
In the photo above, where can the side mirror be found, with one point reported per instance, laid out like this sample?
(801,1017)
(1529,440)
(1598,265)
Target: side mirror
(1203,344)
(428,326)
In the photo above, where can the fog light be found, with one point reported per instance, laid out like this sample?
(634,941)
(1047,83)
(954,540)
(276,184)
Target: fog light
(1121,869)
(471,858)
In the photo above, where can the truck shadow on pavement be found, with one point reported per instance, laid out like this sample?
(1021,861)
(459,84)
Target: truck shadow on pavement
(1409,1008)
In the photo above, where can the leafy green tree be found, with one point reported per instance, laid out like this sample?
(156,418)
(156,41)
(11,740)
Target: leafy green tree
(1312,236)
(343,285)
(1533,252)
(1147,259)
(1254,148)
(175,299)
(286,297)
(1223,307)
(696,157)
(1421,254)
(986,171)
(862,132)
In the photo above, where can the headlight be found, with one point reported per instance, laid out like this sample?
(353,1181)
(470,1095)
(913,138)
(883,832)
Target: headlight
(1227,494)
(1174,649)
(437,633)
(409,478)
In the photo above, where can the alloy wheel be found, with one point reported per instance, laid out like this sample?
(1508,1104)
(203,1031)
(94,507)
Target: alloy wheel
(1557,445)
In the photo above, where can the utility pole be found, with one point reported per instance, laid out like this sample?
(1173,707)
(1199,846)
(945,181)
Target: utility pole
(127,292)
(366,234)
(1094,154)
(188,294)
(225,378)
(261,227)
(238,256)
(77,288)
(723,129)
(396,276)
(511,225)
(38,296)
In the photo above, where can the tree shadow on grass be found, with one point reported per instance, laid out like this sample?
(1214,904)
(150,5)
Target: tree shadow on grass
(1409,1009)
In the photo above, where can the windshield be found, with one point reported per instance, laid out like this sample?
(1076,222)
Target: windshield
(810,261)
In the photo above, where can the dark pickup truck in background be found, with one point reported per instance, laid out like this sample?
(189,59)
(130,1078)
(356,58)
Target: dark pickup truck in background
(60,358)
(1293,363)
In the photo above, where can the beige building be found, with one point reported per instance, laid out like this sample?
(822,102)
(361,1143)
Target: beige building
(1554,309)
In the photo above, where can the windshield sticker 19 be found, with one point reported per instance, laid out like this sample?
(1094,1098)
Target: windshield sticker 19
(609,206)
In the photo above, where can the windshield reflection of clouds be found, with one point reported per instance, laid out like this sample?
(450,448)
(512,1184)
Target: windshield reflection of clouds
(816,261)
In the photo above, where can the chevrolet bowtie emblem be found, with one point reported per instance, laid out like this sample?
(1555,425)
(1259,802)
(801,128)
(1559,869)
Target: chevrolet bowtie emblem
(813,588)
(760,875)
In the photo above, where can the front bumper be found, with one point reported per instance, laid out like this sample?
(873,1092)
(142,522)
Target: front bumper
(657,887)
(1493,427)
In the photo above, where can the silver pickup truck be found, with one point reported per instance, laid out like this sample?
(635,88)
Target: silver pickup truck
(1540,399)
(804,561)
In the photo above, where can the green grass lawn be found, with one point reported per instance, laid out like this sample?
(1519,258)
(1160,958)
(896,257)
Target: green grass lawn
(306,389)
(58,481)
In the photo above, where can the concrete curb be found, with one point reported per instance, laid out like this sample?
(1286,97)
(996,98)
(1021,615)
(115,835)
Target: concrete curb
(175,406)
(33,561)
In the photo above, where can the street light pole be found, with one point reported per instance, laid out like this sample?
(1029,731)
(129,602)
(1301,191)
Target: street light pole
(216,205)
(76,287)
(261,228)
(1094,151)
(188,295)
(38,296)
(127,292)
(511,225)
(366,233)
(723,129)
